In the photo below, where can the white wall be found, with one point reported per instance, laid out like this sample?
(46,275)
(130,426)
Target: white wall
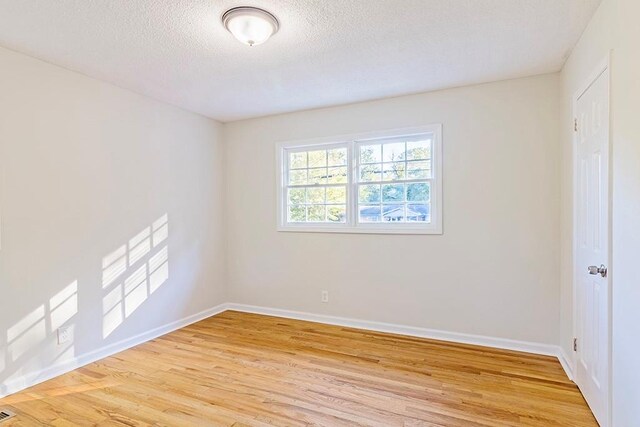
(614,27)
(493,272)
(85,167)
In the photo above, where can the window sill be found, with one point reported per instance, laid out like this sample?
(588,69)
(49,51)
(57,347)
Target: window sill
(360,230)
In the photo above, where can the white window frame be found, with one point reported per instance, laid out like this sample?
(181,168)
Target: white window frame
(352,142)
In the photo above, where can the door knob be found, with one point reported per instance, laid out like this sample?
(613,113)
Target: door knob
(602,270)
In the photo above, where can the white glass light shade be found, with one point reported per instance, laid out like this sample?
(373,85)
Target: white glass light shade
(250,25)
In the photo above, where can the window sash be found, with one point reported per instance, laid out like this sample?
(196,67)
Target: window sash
(286,159)
(358,182)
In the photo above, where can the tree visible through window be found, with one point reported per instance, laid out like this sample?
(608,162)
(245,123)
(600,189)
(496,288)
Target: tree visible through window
(393,181)
(371,185)
(317,185)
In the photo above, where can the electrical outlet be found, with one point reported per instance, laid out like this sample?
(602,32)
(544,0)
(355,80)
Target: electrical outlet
(65,334)
(325,296)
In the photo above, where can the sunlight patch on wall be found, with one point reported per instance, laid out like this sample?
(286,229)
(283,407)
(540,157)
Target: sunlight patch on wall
(160,230)
(43,322)
(63,306)
(112,310)
(135,290)
(128,280)
(158,269)
(113,265)
(27,333)
(139,246)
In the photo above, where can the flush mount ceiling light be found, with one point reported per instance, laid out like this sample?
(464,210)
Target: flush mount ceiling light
(250,25)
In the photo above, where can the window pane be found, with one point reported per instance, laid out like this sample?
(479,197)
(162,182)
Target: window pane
(337,175)
(392,193)
(297,177)
(393,152)
(371,153)
(296,196)
(315,213)
(338,157)
(315,195)
(419,150)
(419,170)
(418,213)
(370,173)
(318,176)
(393,171)
(393,213)
(419,174)
(369,193)
(370,213)
(298,160)
(337,195)
(336,213)
(297,214)
(418,192)
(317,158)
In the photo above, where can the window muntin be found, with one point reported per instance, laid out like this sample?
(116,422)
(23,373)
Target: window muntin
(390,182)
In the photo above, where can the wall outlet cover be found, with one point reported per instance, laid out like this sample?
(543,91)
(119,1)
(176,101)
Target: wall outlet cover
(325,296)
(65,334)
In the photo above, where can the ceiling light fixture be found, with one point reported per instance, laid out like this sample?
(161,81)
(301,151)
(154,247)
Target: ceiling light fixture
(250,25)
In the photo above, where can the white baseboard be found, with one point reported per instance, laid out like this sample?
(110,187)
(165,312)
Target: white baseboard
(31,379)
(481,340)
(503,343)
(566,362)
(28,380)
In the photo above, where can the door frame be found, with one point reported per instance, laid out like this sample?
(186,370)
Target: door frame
(603,68)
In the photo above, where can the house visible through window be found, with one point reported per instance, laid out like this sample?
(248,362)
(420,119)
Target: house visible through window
(393,180)
(385,183)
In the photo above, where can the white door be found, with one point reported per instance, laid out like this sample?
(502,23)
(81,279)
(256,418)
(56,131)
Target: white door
(592,246)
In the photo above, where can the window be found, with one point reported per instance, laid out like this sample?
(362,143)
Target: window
(388,182)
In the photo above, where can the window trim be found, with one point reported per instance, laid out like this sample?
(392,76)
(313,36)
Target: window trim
(352,225)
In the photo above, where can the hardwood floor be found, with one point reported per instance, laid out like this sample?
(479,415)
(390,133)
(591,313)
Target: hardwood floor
(238,369)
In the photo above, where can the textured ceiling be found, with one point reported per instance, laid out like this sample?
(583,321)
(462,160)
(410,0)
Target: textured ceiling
(327,52)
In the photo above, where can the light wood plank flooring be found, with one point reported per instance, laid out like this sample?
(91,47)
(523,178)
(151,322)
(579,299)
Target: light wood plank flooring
(238,369)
